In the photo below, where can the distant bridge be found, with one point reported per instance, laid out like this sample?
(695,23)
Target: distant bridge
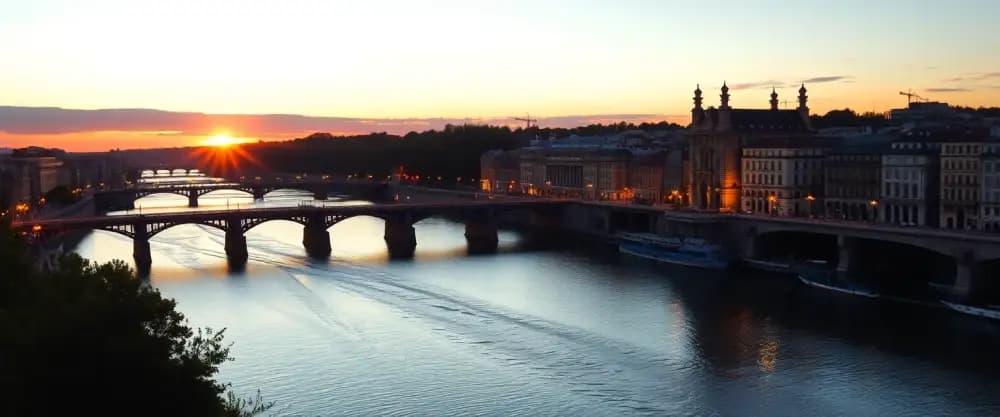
(480,217)
(125,199)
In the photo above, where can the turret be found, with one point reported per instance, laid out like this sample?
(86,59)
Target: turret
(724,97)
(697,113)
(724,121)
(774,99)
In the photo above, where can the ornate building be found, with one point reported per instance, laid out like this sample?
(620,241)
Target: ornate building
(717,137)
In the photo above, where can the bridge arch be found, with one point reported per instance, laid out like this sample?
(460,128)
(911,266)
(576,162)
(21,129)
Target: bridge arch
(156,228)
(794,245)
(244,190)
(170,191)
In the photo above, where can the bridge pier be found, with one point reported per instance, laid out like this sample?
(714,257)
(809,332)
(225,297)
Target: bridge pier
(192,198)
(844,248)
(481,235)
(964,275)
(140,250)
(236,245)
(258,193)
(320,194)
(316,238)
(400,238)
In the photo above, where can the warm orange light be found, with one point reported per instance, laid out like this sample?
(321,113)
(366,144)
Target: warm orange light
(221,141)
(36,228)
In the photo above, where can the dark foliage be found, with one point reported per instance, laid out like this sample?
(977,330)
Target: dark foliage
(60,195)
(92,339)
(849,118)
(450,153)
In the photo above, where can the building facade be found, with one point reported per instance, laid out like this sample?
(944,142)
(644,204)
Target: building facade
(783,176)
(989,197)
(500,172)
(596,174)
(960,186)
(910,179)
(716,140)
(852,183)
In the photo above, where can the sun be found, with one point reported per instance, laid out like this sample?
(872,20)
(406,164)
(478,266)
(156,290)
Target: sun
(220,141)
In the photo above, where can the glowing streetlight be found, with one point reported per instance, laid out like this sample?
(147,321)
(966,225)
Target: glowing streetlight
(810,199)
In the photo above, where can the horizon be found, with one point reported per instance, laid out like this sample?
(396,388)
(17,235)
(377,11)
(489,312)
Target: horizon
(388,61)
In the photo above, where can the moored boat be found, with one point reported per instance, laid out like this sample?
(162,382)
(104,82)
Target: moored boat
(827,280)
(990,312)
(688,252)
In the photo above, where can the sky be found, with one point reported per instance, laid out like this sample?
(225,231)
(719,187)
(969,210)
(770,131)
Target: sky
(429,61)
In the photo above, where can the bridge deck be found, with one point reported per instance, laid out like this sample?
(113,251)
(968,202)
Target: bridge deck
(280,213)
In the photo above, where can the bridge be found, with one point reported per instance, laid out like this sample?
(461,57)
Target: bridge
(105,201)
(968,261)
(479,216)
(973,253)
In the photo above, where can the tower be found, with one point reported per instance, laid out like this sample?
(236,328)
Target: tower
(697,113)
(802,100)
(774,99)
(724,119)
(724,97)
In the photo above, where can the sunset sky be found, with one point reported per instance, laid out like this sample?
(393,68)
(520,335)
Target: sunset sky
(422,60)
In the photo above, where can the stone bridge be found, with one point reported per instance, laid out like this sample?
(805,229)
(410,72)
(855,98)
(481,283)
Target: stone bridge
(971,251)
(125,199)
(480,217)
(975,256)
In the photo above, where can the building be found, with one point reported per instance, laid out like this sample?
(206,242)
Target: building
(717,136)
(640,166)
(500,171)
(911,174)
(989,196)
(30,173)
(961,152)
(599,174)
(783,175)
(851,186)
(646,176)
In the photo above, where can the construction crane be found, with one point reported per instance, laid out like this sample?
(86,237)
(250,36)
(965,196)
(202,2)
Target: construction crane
(527,120)
(911,96)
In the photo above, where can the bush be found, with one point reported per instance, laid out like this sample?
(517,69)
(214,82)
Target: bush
(89,339)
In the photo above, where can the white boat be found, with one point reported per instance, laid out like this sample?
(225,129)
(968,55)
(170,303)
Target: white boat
(845,290)
(688,252)
(991,312)
(769,266)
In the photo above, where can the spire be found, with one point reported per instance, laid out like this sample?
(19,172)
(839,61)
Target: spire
(697,114)
(802,99)
(724,104)
(774,99)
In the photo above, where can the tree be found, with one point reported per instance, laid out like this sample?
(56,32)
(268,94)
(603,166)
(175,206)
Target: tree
(89,339)
(60,195)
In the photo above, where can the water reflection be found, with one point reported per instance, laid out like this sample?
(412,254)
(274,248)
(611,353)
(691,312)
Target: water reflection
(567,331)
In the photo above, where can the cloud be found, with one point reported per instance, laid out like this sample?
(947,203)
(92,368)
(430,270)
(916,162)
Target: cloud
(826,79)
(978,76)
(166,124)
(948,90)
(756,84)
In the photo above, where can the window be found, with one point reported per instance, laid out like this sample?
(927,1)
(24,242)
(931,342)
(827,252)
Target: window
(779,180)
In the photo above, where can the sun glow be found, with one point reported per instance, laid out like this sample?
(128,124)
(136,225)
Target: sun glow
(221,141)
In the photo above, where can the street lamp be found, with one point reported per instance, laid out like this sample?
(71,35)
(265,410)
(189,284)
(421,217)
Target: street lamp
(874,206)
(810,199)
(770,203)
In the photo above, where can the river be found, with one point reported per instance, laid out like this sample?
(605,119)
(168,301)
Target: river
(570,330)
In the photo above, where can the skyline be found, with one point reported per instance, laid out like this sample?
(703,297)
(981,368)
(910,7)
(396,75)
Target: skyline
(485,61)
